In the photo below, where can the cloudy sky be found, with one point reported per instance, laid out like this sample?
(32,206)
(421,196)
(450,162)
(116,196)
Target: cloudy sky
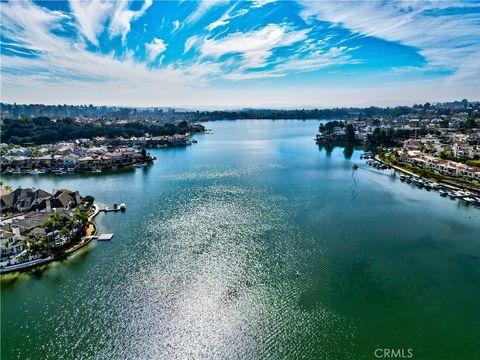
(220,54)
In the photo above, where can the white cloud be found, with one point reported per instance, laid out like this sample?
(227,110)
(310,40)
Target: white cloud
(123,16)
(448,40)
(176,26)
(29,26)
(226,17)
(255,46)
(314,61)
(260,3)
(155,48)
(203,7)
(90,16)
(64,67)
(191,42)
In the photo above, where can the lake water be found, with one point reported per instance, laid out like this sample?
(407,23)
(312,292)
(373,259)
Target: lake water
(255,244)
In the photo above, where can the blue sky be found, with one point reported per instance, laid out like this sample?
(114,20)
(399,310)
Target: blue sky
(222,54)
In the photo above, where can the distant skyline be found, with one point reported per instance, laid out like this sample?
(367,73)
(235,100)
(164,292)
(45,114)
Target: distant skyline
(221,54)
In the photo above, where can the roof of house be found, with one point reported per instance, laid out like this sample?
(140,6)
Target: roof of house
(22,197)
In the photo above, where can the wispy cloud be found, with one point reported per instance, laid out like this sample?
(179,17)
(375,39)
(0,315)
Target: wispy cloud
(123,16)
(203,7)
(176,26)
(91,16)
(260,3)
(155,48)
(447,37)
(226,17)
(256,46)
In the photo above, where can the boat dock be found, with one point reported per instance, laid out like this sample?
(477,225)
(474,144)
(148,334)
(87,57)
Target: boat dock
(116,207)
(105,237)
(106,210)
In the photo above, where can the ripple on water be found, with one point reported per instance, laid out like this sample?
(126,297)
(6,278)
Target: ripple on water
(215,281)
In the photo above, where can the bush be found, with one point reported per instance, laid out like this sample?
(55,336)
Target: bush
(89,199)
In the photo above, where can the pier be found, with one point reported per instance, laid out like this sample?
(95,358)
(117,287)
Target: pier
(105,237)
(116,207)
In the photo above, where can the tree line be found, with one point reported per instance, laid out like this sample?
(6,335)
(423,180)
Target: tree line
(43,130)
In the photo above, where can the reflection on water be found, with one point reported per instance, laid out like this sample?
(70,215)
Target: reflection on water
(254,243)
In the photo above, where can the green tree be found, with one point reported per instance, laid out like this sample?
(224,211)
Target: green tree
(89,199)
(470,123)
(80,216)
(350,134)
(37,245)
(54,222)
(446,154)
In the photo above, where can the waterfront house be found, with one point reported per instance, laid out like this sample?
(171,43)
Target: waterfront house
(441,166)
(44,161)
(25,200)
(411,144)
(10,242)
(86,163)
(21,200)
(66,161)
(20,151)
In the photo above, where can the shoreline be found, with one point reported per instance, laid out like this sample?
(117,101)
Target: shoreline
(442,181)
(84,241)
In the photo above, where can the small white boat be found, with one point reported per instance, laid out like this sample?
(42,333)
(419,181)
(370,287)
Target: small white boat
(139,164)
(443,192)
(452,195)
(468,199)
(58,171)
(96,171)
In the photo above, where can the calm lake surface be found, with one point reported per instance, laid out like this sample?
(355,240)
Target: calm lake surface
(254,244)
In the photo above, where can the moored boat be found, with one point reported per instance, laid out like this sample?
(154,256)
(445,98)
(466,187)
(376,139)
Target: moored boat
(452,194)
(58,171)
(443,192)
(468,199)
(37,172)
(419,182)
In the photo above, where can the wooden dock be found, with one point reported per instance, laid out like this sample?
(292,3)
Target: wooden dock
(115,208)
(109,210)
(105,237)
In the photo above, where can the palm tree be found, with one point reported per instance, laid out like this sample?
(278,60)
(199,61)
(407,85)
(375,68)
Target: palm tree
(80,215)
(37,244)
(53,222)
